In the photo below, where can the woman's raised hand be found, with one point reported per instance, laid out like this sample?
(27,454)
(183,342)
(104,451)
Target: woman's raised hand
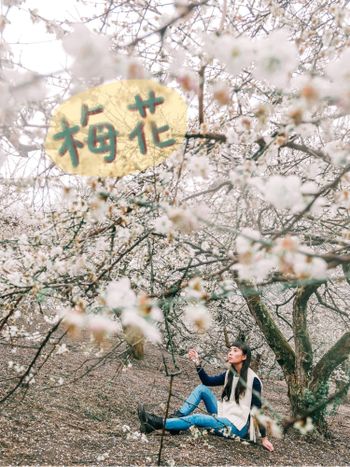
(193,355)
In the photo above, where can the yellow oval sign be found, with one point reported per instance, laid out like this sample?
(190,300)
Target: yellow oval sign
(117,128)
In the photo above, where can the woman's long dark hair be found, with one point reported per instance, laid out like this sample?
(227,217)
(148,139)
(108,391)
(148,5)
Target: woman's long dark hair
(242,382)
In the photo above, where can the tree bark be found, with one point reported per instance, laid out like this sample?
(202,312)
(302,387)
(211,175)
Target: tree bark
(278,343)
(304,382)
(302,342)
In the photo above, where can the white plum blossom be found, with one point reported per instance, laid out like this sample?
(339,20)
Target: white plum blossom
(284,192)
(310,88)
(3,157)
(16,279)
(187,78)
(309,188)
(60,267)
(276,57)
(90,52)
(17,314)
(51,320)
(287,255)
(131,317)
(165,177)
(268,422)
(147,307)
(62,348)
(162,224)
(245,242)
(254,263)
(293,259)
(258,269)
(25,87)
(119,294)
(138,311)
(339,72)
(56,250)
(195,290)
(156,313)
(10,331)
(124,235)
(12,2)
(98,209)
(308,266)
(183,219)
(102,457)
(29,379)
(73,319)
(101,244)
(101,326)
(304,426)
(235,52)
(137,436)
(130,67)
(199,166)
(342,198)
(339,152)
(232,136)
(198,317)
(306,130)
(286,244)
(221,93)
(77,265)
(241,174)
(201,211)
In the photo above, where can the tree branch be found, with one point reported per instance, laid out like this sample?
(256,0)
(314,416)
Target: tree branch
(335,356)
(303,347)
(285,355)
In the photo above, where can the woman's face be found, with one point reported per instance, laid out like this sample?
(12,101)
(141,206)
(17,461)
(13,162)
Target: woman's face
(235,355)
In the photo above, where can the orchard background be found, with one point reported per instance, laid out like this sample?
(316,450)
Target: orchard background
(243,231)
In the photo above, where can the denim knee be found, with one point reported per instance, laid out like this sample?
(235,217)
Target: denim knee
(201,387)
(196,418)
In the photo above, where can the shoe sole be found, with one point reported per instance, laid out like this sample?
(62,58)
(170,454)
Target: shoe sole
(145,427)
(142,418)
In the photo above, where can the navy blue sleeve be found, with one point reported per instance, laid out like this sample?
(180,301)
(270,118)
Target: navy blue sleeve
(256,401)
(256,398)
(207,380)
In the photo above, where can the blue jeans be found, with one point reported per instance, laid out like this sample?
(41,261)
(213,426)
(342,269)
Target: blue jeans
(220,426)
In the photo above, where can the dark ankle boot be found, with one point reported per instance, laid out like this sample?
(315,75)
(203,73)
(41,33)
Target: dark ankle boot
(176,414)
(149,421)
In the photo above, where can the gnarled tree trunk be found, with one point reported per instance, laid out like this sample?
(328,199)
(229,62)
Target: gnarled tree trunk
(307,384)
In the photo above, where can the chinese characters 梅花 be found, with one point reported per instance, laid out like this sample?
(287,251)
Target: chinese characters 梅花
(102,137)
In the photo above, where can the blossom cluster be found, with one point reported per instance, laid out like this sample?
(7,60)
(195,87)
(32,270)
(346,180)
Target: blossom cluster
(256,260)
(196,313)
(137,310)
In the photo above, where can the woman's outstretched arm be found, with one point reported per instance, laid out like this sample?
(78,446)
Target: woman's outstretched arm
(207,380)
(256,402)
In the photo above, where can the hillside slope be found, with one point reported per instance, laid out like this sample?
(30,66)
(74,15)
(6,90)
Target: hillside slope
(94,421)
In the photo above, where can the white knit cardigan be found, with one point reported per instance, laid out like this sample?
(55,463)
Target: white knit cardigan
(238,413)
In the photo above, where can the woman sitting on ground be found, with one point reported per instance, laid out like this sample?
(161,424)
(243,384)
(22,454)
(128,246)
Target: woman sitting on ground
(231,415)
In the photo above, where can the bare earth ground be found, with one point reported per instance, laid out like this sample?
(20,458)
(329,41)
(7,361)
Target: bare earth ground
(83,423)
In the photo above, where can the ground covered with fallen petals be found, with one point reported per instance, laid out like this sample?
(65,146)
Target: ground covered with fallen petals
(94,421)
